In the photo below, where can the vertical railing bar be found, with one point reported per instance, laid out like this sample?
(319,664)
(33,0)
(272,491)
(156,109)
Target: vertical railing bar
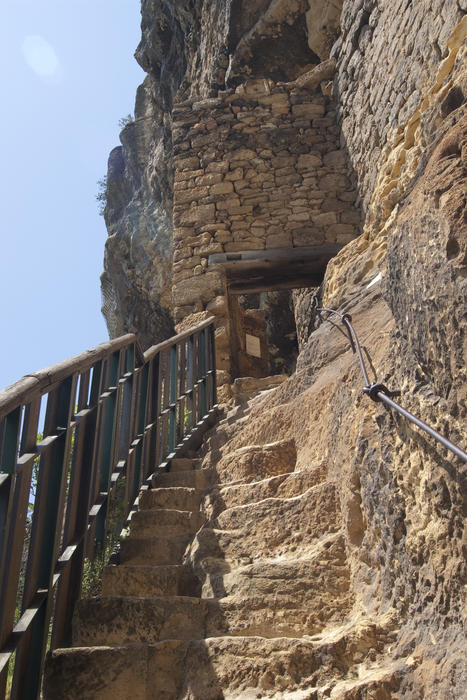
(165,374)
(98,383)
(69,585)
(202,362)
(195,379)
(50,496)
(134,454)
(141,401)
(190,381)
(146,380)
(145,418)
(157,394)
(182,389)
(212,337)
(15,530)
(172,398)
(109,439)
(10,443)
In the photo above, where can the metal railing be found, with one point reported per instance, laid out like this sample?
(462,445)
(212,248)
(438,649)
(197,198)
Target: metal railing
(112,416)
(379,392)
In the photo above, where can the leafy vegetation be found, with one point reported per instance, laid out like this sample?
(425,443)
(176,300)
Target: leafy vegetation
(124,121)
(91,584)
(101,196)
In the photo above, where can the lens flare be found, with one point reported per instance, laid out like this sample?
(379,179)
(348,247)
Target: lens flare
(41,57)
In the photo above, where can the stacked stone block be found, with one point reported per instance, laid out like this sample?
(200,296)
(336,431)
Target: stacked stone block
(257,168)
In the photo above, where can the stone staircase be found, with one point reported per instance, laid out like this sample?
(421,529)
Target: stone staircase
(233,583)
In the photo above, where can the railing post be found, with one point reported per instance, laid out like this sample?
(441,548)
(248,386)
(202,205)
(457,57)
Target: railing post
(46,533)
(172,398)
(13,513)
(212,343)
(76,513)
(110,407)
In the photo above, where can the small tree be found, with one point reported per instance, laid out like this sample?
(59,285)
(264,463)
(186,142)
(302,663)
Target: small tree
(101,195)
(129,119)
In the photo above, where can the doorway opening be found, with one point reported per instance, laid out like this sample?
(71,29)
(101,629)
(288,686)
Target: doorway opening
(261,304)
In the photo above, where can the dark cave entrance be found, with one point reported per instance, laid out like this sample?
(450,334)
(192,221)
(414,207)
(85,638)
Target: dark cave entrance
(260,288)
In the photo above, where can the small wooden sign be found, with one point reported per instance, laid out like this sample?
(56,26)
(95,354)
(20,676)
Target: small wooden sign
(253,345)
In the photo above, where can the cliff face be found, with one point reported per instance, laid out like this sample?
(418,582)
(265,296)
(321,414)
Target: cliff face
(399,94)
(189,50)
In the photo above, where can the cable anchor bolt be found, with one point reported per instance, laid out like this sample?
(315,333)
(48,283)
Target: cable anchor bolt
(373,390)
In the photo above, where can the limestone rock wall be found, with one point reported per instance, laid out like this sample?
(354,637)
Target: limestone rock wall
(136,283)
(393,61)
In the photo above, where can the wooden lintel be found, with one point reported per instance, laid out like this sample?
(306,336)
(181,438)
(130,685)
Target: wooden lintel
(315,256)
(267,284)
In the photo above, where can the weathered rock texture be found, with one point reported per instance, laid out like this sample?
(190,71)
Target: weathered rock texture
(330,555)
(190,51)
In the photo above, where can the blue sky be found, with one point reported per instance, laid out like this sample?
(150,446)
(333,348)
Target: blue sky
(67,75)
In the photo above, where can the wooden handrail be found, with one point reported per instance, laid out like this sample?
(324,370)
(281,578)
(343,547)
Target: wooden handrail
(32,385)
(165,344)
(113,416)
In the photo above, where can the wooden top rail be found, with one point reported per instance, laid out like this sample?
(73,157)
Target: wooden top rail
(154,349)
(33,385)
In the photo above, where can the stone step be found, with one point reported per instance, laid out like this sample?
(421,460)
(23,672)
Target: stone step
(156,522)
(117,620)
(282,486)
(208,669)
(154,551)
(201,479)
(287,527)
(267,599)
(257,462)
(282,597)
(99,673)
(148,581)
(183,464)
(382,682)
(176,498)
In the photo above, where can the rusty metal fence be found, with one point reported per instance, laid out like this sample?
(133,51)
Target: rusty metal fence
(113,415)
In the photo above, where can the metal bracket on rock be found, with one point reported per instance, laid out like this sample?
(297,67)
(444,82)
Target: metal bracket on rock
(373,389)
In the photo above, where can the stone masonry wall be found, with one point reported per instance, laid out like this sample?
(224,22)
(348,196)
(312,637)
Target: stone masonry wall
(256,168)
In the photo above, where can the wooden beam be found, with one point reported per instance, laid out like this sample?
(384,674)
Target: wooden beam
(316,256)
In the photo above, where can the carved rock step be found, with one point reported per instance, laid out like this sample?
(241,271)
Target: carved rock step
(276,526)
(125,620)
(198,479)
(283,597)
(311,508)
(148,523)
(147,581)
(281,486)
(257,461)
(154,551)
(278,606)
(173,498)
(381,682)
(230,667)
(184,464)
